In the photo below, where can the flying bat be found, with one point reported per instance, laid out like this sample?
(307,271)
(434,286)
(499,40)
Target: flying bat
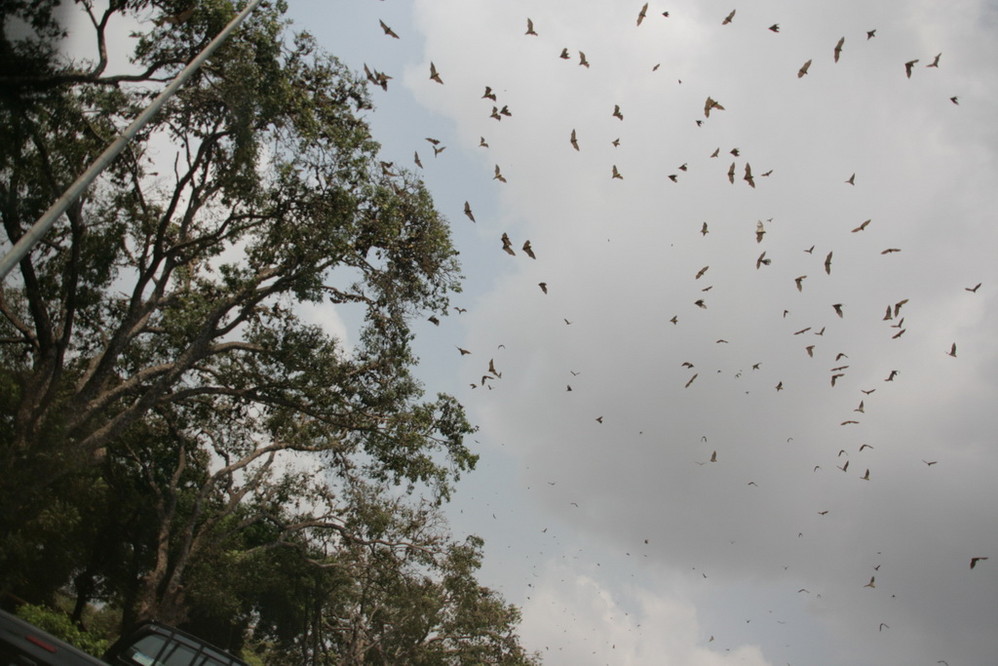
(952,350)
(582,60)
(748,175)
(838,48)
(711,103)
(975,560)
(642,13)
(564,54)
(529,250)
(799,280)
(507,245)
(935,61)
(704,232)
(828,264)
(543,286)
(530,28)
(467,211)
(728,18)
(388,31)
(973,289)
(851,180)
(838,309)
(616,173)
(701,272)
(861,226)
(803,69)
(908,67)
(775,27)
(499,175)
(731,173)
(574,141)
(434,75)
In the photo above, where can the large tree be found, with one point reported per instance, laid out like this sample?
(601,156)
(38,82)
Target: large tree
(154,367)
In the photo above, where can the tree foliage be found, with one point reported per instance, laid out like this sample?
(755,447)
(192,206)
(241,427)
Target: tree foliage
(170,422)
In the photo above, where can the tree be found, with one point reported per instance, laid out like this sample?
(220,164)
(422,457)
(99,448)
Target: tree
(152,351)
(379,606)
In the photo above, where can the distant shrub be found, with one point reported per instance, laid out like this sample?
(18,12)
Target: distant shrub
(59,625)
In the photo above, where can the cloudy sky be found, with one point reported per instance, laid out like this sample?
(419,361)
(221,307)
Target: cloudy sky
(704,495)
(604,515)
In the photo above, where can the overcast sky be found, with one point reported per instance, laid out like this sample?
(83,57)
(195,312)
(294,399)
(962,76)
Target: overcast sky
(605,517)
(622,542)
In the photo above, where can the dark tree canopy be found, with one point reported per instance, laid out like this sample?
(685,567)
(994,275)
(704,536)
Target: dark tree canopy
(165,411)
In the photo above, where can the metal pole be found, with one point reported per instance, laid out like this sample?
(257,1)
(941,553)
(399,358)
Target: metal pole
(45,222)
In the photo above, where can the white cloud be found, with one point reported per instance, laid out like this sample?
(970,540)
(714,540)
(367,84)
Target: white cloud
(578,620)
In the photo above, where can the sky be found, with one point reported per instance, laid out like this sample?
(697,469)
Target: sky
(760,480)
(604,517)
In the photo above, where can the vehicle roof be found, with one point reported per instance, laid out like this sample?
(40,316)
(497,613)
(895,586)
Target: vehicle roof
(153,627)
